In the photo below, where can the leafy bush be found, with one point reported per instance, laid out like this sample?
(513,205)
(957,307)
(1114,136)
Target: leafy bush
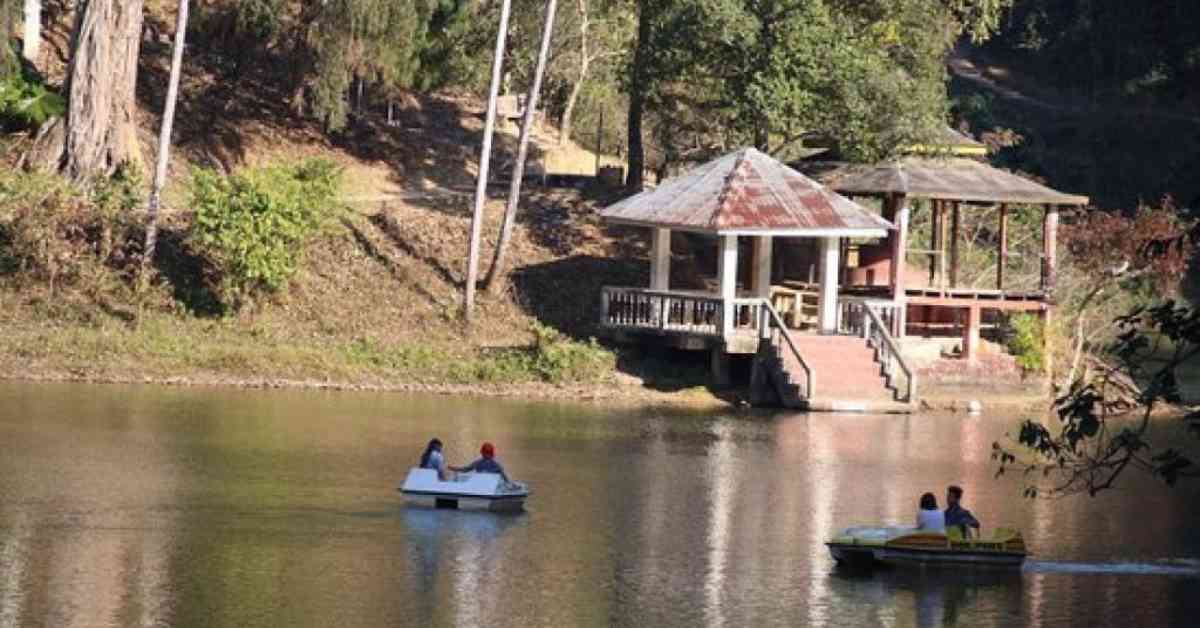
(252,226)
(560,359)
(1027,342)
(26,102)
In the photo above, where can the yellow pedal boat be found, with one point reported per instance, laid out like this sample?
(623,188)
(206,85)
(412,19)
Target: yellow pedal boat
(866,546)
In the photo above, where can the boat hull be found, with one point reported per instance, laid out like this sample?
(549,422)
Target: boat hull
(464,502)
(865,556)
(474,491)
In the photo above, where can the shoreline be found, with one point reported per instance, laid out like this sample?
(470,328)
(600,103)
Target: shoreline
(614,396)
(620,396)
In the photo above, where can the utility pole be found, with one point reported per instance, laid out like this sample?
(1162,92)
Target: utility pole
(495,273)
(485,156)
(164,139)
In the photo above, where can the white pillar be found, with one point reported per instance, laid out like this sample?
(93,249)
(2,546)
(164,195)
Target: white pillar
(727,277)
(762,266)
(660,259)
(32,30)
(830,248)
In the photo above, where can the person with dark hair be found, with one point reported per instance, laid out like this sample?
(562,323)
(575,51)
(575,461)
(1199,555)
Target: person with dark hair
(929,518)
(486,463)
(433,458)
(956,515)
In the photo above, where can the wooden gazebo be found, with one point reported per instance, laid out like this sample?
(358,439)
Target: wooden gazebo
(950,185)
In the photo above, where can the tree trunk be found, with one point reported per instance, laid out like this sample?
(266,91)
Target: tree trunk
(99,132)
(491,283)
(32,42)
(485,157)
(164,137)
(564,129)
(634,180)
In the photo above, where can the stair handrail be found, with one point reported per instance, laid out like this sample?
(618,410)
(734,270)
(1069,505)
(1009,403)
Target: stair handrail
(877,334)
(773,322)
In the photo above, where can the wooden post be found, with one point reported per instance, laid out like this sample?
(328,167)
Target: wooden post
(1003,257)
(935,230)
(660,259)
(599,140)
(954,238)
(1050,251)
(164,140)
(485,157)
(970,342)
(942,227)
(827,321)
(494,279)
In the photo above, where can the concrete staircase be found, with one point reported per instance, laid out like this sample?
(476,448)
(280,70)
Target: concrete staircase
(846,375)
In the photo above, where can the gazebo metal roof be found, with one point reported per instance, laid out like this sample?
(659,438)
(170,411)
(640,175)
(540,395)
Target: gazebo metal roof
(748,193)
(950,179)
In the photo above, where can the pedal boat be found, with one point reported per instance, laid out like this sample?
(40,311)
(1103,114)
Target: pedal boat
(477,491)
(872,546)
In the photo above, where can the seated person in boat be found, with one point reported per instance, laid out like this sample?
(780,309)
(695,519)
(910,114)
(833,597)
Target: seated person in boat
(487,463)
(929,518)
(956,515)
(433,458)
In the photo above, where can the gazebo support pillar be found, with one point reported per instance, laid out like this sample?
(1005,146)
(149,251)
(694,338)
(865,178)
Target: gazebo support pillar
(660,259)
(760,271)
(1049,251)
(954,238)
(830,250)
(899,249)
(971,327)
(727,262)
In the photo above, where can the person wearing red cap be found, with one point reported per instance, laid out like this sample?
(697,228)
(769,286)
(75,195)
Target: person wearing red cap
(486,464)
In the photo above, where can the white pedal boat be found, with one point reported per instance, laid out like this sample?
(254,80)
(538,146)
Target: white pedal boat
(480,491)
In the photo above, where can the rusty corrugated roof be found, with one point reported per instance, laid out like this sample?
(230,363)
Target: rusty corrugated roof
(950,179)
(746,191)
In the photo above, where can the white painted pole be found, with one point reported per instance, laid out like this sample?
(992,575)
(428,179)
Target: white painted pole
(164,137)
(829,285)
(660,259)
(494,277)
(727,277)
(32,31)
(485,156)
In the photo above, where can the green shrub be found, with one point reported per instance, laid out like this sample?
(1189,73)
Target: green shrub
(1027,342)
(559,359)
(252,226)
(26,103)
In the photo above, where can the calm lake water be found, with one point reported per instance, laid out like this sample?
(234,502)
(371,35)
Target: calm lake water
(142,506)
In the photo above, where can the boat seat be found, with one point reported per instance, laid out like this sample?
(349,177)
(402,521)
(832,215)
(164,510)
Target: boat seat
(1004,534)
(954,533)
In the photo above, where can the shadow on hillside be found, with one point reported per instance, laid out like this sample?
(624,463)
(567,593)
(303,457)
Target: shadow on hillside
(188,274)
(565,295)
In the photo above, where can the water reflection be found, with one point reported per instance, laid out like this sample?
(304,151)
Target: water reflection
(935,597)
(139,507)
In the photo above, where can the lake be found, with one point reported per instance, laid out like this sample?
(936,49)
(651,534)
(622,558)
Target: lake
(148,506)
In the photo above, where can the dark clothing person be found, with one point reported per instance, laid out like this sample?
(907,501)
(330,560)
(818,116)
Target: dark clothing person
(485,465)
(958,516)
